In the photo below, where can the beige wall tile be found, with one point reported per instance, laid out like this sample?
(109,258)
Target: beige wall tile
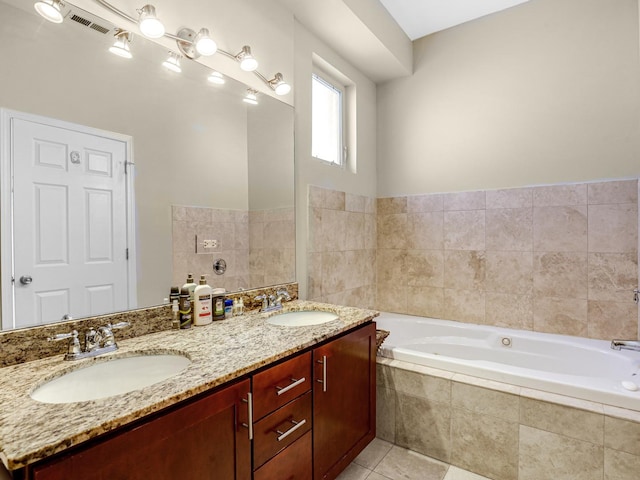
(334,230)
(434,389)
(333,272)
(509,272)
(613,228)
(400,463)
(333,200)
(612,276)
(354,268)
(485,445)
(464,230)
(464,306)
(391,270)
(217,216)
(433,202)
(509,229)
(509,310)
(355,231)
(549,456)
(425,231)
(316,196)
(425,268)
(561,274)
(391,205)
(354,203)
(510,198)
(620,465)
(370,274)
(624,191)
(314,232)
(465,201)
(314,275)
(391,298)
(370,205)
(560,229)
(370,232)
(609,320)
(414,417)
(392,231)
(485,401)
(464,269)
(278,235)
(425,301)
(566,316)
(560,195)
(256,235)
(623,435)
(386,414)
(567,421)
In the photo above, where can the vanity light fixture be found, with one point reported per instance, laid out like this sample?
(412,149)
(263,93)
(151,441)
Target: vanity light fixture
(121,47)
(50,9)
(248,63)
(278,85)
(148,22)
(205,45)
(216,78)
(173,62)
(251,97)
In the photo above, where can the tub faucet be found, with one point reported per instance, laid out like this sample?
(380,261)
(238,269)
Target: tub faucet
(626,345)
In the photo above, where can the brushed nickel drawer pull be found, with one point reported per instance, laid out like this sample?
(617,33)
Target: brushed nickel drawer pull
(296,425)
(295,383)
(324,373)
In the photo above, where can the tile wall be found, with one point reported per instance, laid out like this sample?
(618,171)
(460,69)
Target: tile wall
(559,259)
(342,248)
(501,431)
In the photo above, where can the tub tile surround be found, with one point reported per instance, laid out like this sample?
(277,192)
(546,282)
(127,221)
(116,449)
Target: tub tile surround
(556,259)
(258,245)
(504,432)
(342,248)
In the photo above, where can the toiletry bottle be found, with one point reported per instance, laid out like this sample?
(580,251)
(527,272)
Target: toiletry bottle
(191,286)
(240,307)
(175,315)
(218,303)
(228,308)
(185,308)
(202,314)
(174,295)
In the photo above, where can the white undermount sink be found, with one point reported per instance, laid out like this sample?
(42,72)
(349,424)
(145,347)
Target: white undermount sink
(302,318)
(112,377)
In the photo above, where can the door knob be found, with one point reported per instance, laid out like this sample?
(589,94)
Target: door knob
(26,280)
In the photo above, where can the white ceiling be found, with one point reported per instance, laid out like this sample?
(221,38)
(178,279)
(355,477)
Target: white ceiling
(422,17)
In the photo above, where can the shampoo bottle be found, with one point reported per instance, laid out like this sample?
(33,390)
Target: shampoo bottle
(202,313)
(185,308)
(191,286)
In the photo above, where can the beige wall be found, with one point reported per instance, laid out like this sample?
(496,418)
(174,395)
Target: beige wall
(544,92)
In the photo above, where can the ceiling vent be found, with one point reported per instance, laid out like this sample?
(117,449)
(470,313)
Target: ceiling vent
(90,21)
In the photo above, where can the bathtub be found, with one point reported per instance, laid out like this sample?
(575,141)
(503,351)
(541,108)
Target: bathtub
(572,366)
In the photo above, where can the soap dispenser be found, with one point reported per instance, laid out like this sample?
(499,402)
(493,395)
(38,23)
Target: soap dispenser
(202,314)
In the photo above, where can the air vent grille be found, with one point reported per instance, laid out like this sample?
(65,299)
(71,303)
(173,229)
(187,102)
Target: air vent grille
(99,28)
(88,23)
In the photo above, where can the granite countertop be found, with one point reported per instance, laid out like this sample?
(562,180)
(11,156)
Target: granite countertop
(220,352)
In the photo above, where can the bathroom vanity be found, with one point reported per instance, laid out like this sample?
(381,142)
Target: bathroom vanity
(258,401)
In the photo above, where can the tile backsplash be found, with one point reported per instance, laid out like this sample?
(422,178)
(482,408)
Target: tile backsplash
(560,259)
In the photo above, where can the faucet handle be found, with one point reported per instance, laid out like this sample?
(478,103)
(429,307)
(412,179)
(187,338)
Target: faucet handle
(284,294)
(119,325)
(106,333)
(74,343)
(91,340)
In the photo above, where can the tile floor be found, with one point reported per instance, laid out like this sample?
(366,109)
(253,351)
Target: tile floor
(384,461)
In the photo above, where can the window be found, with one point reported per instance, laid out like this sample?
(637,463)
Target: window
(327,120)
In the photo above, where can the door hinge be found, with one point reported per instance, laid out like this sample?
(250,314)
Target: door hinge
(126,253)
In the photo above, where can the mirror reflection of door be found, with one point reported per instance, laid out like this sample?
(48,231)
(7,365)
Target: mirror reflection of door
(70,214)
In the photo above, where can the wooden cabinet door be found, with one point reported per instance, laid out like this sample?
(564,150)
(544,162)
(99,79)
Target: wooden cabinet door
(201,440)
(344,373)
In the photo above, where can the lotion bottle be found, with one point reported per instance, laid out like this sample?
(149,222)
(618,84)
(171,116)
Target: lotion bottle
(191,286)
(202,312)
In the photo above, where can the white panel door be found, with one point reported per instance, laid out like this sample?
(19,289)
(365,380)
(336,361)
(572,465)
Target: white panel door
(69,223)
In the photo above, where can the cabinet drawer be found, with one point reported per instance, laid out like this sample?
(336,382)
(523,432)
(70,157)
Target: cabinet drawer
(283,427)
(294,463)
(280,384)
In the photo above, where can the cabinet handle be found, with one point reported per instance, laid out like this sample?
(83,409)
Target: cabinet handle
(296,425)
(324,373)
(295,383)
(249,402)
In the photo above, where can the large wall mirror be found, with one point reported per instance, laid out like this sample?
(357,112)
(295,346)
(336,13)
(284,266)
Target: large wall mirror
(212,177)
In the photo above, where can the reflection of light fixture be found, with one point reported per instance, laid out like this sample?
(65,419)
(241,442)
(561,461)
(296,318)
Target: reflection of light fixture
(204,43)
(121,47)
(216,77)
(173,62)
(50,9)
(279,85)
(247,62)
(149,24)
(251,97)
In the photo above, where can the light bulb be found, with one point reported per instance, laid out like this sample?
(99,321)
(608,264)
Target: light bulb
(121,46)
(49,9)
(172,63)
(279,85)
(149,24)
(204,44)
(251,97)
(216,77)
(247,62)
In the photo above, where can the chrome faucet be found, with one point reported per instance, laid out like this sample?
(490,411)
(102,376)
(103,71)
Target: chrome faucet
(272,302)
(95,342)
(626,345)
